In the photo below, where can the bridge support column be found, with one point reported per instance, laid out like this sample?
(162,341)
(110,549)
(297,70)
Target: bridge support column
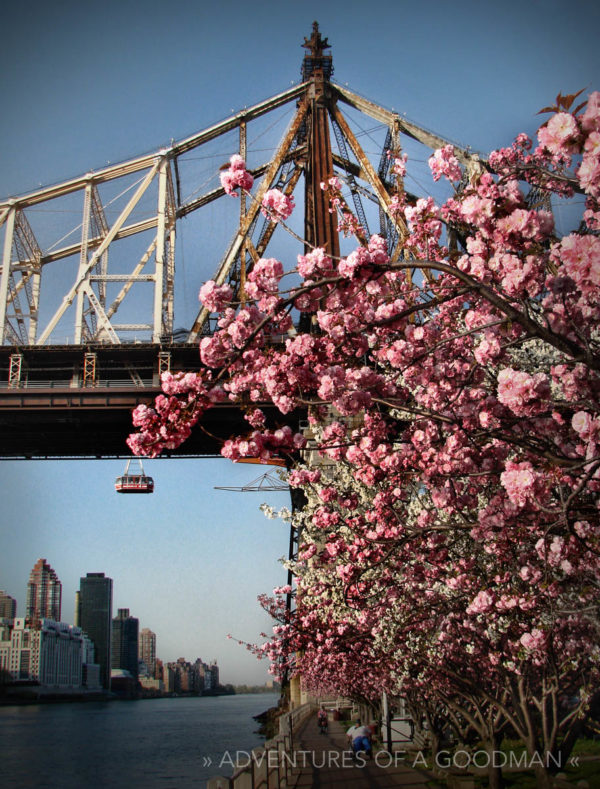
(159,292)
(6,272)
(295,693)
(15,370)
(80,331)
(164,365)
(89,369)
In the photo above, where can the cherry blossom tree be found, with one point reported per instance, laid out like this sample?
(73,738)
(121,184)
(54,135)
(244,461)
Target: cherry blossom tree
(450,544)
(411,606)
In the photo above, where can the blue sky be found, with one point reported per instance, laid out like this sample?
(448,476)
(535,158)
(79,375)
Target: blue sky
(84,84)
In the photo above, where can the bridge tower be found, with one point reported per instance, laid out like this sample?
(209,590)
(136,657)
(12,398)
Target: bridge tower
(320,225)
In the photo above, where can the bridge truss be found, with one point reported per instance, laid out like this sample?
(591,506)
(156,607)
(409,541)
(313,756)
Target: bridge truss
(88,321)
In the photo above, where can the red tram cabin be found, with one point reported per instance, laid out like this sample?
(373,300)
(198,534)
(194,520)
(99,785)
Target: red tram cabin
(134,482)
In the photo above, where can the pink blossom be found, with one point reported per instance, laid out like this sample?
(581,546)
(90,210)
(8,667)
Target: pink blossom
(236,176)
(559,134)
(444,162)
(481,603)
(588,174)
(333,381)
(214,297)
(399,165)
(475,209)
(276,205)
(314,264)
(397,205)
(264,278)
(349,267)
(590,120)
(519,276)
(378,250)
(488,349)
(579,258)
(582,423)
(592,144)
(533,640)
(524,394)
(525,224)
(301,477)
(348,224)
(519,482)
(215,350)
(256,418)
(592,219)
(182,383)
(333,183)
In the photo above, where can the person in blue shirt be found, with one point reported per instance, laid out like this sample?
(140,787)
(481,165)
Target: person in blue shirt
(360,738)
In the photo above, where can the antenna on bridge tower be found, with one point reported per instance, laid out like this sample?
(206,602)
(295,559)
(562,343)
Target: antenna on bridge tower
(320,226)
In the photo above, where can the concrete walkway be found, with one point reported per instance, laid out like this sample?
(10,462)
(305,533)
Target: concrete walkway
(325,762)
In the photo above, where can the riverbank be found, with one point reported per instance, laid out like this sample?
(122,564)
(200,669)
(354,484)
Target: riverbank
(269,722)
(37,695)
(22,696)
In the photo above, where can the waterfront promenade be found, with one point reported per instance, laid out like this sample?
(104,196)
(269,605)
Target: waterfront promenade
(329,764)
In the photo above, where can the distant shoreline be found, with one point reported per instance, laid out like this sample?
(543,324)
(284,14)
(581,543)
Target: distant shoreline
(31,695)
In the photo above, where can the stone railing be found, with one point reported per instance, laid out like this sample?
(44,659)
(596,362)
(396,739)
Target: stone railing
(271,766)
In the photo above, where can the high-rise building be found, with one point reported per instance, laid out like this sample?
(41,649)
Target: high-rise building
(8,606)
(93,614)
(125,633)
(214,672)
(51,654)
(77,611)
(147,650)
(44,593)
(45,651)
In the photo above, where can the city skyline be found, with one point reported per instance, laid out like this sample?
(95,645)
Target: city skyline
(120,652)
(95,651)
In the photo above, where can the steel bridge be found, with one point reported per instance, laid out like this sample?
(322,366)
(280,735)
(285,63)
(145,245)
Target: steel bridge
(87,323)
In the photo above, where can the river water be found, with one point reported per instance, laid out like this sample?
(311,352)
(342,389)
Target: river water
(144,744)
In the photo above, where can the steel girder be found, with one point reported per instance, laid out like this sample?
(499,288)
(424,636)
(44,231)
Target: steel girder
(25,261)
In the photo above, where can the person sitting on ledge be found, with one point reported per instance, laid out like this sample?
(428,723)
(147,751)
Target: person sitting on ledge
(360,738)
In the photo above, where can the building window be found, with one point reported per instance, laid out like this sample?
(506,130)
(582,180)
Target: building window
(24,665)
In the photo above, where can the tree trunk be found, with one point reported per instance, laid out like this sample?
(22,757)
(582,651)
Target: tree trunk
(495,777)
(435,744)
(494,769)
(543,779)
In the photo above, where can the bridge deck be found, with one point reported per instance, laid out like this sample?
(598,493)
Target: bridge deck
(54,407)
